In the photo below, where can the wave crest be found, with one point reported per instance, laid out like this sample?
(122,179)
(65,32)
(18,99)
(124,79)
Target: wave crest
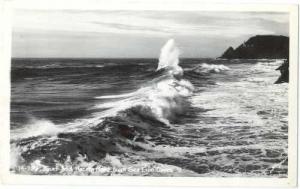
(115,128)
(168,58)
(210,68)
(162,98)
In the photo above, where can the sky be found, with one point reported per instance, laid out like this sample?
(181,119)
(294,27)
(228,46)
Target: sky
(136,34)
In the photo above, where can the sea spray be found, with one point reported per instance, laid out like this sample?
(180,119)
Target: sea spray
(122,120)
(162,98)
(169,58)
(236,126)
(36,127)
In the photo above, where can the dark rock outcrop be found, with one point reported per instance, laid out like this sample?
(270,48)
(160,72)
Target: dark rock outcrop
(260,46)
(229,53)
(264,46)
(284,70)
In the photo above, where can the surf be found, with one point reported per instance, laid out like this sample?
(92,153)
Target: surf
(164,96)
(210,68)
(116,124)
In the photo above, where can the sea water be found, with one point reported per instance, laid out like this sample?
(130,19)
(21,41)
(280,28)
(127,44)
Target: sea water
(149,117)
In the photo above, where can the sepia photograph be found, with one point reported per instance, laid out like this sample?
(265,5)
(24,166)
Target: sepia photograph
(151,93)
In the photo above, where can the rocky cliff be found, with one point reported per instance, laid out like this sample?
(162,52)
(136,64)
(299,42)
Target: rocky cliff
(260,46)
(264,46)
(284,70)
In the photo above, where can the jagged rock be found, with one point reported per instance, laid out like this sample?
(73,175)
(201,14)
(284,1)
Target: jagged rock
(229,53)
(260,46)
(284,70)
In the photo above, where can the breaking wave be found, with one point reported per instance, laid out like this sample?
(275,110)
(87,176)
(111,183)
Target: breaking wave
(163,97)
(114,129)
(210,68)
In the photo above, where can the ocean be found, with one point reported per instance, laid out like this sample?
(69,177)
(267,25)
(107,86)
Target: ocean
(168,116)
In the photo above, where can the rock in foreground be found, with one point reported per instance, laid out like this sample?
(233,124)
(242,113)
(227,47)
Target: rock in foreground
(284,70)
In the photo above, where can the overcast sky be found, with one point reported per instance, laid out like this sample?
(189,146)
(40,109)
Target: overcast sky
(114,34)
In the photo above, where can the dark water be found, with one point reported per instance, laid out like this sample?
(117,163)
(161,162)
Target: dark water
(122,117)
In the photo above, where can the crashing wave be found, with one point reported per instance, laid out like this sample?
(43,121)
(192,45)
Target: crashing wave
(210,68)
(164,97)
(169,60)
(125,117)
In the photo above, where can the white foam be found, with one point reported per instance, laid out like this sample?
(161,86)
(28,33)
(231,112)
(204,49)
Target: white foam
(214,68)
(15,158)
(133,166)
(162,99)
(114,96)
(115,162)
(36,127)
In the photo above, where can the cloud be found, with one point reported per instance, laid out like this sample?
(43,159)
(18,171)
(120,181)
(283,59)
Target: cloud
(152,22)
(56,29)
(136,28)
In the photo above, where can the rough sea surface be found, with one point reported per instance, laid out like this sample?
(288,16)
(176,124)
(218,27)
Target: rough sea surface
(149,117)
